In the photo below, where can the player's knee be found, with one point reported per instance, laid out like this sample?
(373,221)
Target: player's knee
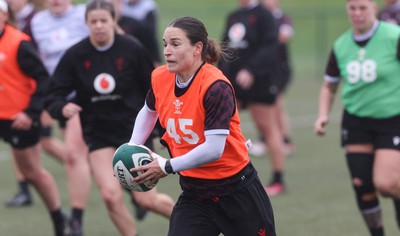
(112,200)
(35,175)
(69,159)
(72,158)
(357,182)
(146,202)
(387,187)
(366,195)
(360,166)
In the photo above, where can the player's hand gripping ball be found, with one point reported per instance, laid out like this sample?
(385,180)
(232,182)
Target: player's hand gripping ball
(128,156)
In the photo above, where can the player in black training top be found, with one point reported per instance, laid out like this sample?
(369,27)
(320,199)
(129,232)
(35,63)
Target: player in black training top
(111,76)
(252,32)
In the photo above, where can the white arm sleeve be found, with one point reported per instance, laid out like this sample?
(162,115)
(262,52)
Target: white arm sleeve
(144,124)
(209,151)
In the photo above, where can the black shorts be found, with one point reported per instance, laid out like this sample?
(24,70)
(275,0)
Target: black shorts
(99,138)
(381,133)
(265,94)
(62,123)
(245,211)
(47,131)
(283,80)
(20,138)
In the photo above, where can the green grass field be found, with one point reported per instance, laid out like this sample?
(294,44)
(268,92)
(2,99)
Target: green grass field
(319,201)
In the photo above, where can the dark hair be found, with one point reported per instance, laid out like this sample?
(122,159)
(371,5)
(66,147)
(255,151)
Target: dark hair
(197,32)
(100,4)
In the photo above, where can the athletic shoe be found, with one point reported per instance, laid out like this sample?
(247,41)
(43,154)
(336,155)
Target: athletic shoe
(141,213)
(75,228)
(20,199)
(258,149)
(275,189)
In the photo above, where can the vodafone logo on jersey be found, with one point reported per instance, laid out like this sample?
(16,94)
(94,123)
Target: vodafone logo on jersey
(104,83)
(236,36)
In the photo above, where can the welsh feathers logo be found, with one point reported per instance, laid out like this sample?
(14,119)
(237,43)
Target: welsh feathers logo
(178,105)
(104,83)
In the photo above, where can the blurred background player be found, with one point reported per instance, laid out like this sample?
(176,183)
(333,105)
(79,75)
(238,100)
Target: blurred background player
(147,35)
(251,31)
(366,59)
(390,12)
(24,11)
(143,14)
(110,74)
(54,30)
(23,82)
(140,29)
(284,75)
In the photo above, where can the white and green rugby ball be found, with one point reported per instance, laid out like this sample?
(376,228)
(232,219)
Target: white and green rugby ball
(128,156)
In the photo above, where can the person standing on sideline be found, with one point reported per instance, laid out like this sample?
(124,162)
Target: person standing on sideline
(23,82)
(251,31)
(366,59)
(284,77)
(111,75)
(54,30)
(195,104)
(390,12)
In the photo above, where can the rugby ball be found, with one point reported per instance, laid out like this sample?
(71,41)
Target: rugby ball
(128,156)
